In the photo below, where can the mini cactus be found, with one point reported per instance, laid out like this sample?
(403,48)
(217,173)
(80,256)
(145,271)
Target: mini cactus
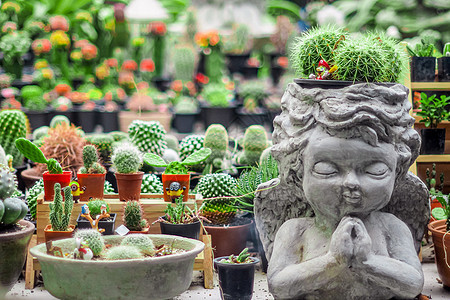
(108,188)
(31,151)
(172,142)
(95,206)
(123,252)
(118,135)
(184,63)
(176,167)
(126,158)
(217,95)
(255,142)
(216,138)
(93,239)
(186,105)
(148,136)
(40,132)
(13,125)
(12,210)
(189,145)
(140,241)
(32,195)
(151,184)
(90,161)
(7,184)
(104,143)
(60,214)
(218,210)
(133,216)
(58,119)
(237,43)
(250,104)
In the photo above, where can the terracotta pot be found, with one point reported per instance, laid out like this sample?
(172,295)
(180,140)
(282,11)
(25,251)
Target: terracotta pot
(228,240)
(93,186)
(169,194)
(51,235)
(13,251)
(50,180)
(437,229)
(129,185)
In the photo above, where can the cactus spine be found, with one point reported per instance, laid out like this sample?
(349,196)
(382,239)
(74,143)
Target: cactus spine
(123,252)
(148,136)
(126,158)
(13,125)
(93,239)
(60,214)
(151,184)
(132,216)
(255,142)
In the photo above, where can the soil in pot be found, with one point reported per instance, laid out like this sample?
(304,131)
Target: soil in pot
(230,239)
(189,230)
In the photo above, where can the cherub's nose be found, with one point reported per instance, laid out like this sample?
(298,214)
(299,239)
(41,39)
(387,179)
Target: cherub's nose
(351,181)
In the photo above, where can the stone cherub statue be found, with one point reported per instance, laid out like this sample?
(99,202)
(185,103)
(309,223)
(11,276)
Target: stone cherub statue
(345,218)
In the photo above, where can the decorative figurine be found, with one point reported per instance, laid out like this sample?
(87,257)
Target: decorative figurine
(324,71)
(345,217)
(85,213)
(82,251)
(76,190)
(53,250)
(175,190)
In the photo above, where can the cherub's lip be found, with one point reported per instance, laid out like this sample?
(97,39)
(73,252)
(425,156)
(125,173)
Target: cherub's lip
(352,197)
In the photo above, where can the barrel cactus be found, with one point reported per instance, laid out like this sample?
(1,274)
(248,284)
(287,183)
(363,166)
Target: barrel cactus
(126,158)
(148,136)
(58,119)
(123,252)
(11,209)
(151,184)
(255,141)
(140,241)
(13,125)
(213,188)
(104,143)
(40,132)
(133,216)
(189,145)
(93,239)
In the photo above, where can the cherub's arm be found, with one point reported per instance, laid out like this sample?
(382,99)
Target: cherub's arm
(400,272)
(289,276)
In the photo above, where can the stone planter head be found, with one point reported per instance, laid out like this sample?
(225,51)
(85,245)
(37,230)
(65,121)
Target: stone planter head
(344,188)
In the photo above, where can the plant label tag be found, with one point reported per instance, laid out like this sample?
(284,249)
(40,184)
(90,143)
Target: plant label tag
(122,230)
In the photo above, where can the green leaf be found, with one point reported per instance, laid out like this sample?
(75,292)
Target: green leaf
(30,150)
(154,160)
(197,157)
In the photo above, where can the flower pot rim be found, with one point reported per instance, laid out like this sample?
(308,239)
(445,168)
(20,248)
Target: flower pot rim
(226,226)
(134,173)
(87,174)
(27,227)
(63,173)
(163,217)
(438,227)
(217,260)
(48,228)
(315,83)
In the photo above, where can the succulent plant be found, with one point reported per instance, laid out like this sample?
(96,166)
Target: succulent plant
(108,188)
(40,132)
(189,145)
(13,125)
(176,167)
(133,216)
(148,136)
(186,105)
(255,142)
(59,214)
(104,143)
(33,99)
(237,43)
(126,158)
(90,161)
(219,210)
(95,207)
(123,252)
(172,142)
(93,239)
(217,95)
(32,152)
(32,195)
(11,209)
(58,119)
(216,138)
(140,241)
(184,63)
(253,89)
(151,184)
(119,135)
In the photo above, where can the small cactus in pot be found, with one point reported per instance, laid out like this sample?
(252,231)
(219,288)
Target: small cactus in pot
(59,216)
(133,216)
(91,176)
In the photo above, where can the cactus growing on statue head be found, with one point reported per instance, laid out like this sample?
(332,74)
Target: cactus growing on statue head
(13,125)
(176,167)
(32,152)
(141,242)
(133,216)
(90,161)
(255,142)
(184,63)
(216,138)
(92,238)
(126,158)
(59,214)
(148,136)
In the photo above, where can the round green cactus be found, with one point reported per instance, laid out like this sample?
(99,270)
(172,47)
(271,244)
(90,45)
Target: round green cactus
(255,141)
(123,252)
(216,138)
(189,145)
(126,158)
(148,136)
(40,132)
(7,184)
(133,215)
(172,142)
(12,210)
(104,143)
(93,239)
(95,206)
(13,125)
(90,161)
(58,119)
(140,241)
(151,184)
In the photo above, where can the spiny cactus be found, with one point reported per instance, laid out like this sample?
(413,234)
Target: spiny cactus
(3,160)
(237,43)
(127,158)
(140,241)
(133,216)
(255,141)
(93,239)
(58,119)
(104,143)
(108,188)
(184,63)
(172,142)
(7,184)
(90,161)
(189,145)
(217,185)
(216,138)
(118,135)
(32,152)
(60,214)
(13,125)
(315,44)
(95,206)
(123,252)
(250,104)
(148,136)
(40,132)
(33,193)
(151,184)
(217,95)
(186,105)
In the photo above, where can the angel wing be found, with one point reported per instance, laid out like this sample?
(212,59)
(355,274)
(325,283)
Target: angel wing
(410,203)
(274,204)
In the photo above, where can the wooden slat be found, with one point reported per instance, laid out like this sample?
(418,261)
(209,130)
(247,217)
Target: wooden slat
(30,274)
(430,86)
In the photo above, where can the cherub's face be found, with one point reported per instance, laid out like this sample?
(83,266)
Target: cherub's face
(347,176)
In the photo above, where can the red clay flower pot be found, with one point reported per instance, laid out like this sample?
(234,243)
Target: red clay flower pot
(50,180)
(437,229)
(172,190)
(129,185)
(228,240)
(93,186)
(51,235)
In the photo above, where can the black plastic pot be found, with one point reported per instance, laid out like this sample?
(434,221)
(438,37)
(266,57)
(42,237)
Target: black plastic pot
(433,141)
(191,230)
(248,119)
(109,120)
(218,115)
(423,68)
(87,120)
(250,72)
(37,118)
(235,62)
(161,83)
(444,68)
(109,225)
(276,72)
(236,280)
(184,123)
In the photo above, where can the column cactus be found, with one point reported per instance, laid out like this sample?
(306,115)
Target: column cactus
(133,216)
(216,138)
(13,125)
(184,62)
(255,142)
(60,214)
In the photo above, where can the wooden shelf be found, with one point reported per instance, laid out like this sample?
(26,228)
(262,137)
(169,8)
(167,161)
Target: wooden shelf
(437,158)
(430,86)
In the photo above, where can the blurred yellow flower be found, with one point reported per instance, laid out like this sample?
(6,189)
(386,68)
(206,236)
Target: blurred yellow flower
(47,73)
(11,6)
(60,39)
